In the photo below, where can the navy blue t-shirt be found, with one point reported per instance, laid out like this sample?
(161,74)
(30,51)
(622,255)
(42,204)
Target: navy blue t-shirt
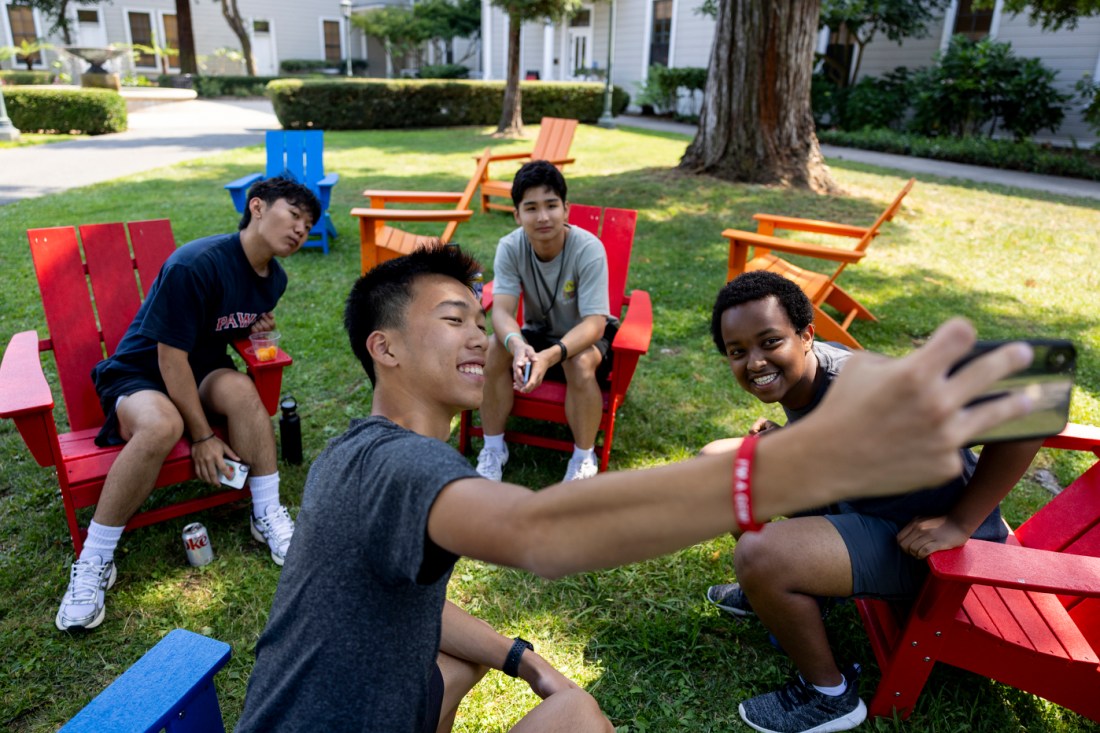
(205,296)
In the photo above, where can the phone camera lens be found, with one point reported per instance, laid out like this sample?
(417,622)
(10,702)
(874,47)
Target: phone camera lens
(1057,360)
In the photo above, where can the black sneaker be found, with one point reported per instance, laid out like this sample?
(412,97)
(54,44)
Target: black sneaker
(799,708)
(730,599)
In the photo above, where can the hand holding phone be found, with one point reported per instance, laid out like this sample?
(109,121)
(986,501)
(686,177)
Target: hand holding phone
(240,473)
(526,373)
(1047,382)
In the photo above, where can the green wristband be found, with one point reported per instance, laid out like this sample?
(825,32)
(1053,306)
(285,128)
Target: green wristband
(509,338)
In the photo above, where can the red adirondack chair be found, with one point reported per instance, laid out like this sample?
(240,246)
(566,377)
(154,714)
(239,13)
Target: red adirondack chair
(78,343)
(547,402)
(1026,613)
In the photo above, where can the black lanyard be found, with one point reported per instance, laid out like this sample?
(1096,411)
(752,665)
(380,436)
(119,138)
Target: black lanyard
(541,280)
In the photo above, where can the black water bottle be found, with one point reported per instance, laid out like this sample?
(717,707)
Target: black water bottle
(290,431)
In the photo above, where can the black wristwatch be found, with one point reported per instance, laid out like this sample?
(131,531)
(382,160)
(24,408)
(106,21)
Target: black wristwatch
(511,664)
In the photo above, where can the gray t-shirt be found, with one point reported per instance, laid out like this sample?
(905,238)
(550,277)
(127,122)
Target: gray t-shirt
(559,293)
(935,501)
(354,629)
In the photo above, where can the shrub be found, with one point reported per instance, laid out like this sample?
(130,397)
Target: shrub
(222,86)
(444,71)
(826,100)
(1088,91)
(975,85)
(364,104)
(303,66)
(662,85)
(27,78)
(1021,155)
(91,111)
(877,101)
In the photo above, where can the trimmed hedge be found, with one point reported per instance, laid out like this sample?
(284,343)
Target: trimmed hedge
(365,104)
(1007,154)
(91,111)
(224,86)
(28,78)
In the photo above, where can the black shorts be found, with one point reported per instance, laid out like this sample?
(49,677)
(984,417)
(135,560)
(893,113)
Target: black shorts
(540,340)
(435,701)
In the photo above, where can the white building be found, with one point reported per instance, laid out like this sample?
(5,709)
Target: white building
(673,33)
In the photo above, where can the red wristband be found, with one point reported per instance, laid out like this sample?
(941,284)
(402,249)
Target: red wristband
(742,485)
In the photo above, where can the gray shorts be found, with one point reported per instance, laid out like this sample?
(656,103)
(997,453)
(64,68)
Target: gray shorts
(880,568)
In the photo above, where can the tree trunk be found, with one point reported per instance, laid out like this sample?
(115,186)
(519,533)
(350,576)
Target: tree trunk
(511,115)
(232,15)
(188,62)
(756,124)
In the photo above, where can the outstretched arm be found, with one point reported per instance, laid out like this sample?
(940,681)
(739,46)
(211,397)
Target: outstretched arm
(886,426)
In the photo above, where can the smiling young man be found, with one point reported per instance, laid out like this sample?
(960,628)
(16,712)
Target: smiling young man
(360,635)
(561,271)
(763,324)
(171,374)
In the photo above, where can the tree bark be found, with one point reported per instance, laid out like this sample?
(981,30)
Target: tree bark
(232,15)
(188,61)
(756,124)
(511,114)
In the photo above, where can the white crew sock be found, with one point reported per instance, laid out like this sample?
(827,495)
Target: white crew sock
(265,492)
(836,691)
(495,442)
(102,540)
(582,454)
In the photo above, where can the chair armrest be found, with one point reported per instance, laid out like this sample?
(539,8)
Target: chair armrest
(562,161)
(267,375)
(793,224)
(459,215)
(324,190)
(25,397)
(636,328)
(238,190)
(746,239)
(1076,437)
(505,156)
(378,198)
(1023,568)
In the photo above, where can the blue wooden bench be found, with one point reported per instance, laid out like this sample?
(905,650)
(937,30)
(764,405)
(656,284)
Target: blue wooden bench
(170,688)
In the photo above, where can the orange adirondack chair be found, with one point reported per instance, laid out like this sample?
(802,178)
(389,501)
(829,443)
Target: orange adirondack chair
(379,242)
(552,144)
(78,343)
(1025,613)
(820,288)
(547,402)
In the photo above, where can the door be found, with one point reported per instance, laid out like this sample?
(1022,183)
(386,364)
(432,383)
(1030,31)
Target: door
(263,48)
(579,40)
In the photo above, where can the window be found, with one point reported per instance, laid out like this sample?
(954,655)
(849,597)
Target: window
(141,33)
(838,56)
(332,41)
(661,36)
(22,29)
(974,24)
(172,40)
(581,19)
(87,16)
(261,26)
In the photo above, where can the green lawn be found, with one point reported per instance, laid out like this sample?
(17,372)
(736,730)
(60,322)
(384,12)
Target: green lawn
(34,138)
(642,639)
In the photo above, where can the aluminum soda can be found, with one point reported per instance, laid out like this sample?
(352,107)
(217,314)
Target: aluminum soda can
(197,543)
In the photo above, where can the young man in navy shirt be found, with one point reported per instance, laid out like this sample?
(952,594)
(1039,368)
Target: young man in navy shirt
(171,374)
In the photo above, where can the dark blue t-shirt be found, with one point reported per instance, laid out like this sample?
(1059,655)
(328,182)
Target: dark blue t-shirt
(206,295)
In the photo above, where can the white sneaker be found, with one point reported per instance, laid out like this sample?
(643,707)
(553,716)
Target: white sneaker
(579,468)
(490,463)
(276,528)
(83,606)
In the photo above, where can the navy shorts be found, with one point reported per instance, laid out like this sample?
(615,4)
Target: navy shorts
(540,340)
(435,701)
(880,568)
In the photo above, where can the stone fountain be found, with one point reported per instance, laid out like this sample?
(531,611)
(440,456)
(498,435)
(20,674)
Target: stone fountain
(97,76)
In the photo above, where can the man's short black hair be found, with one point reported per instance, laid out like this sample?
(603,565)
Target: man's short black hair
(757,285)
(534,174)
(271,190)
(380,298)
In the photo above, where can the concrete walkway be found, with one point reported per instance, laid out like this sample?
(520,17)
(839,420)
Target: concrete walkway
(944,169)
(159,135)
(166,134)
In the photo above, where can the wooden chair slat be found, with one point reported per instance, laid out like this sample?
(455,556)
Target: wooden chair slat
(70,319)
(114,282)
(153,243)
(1061,522)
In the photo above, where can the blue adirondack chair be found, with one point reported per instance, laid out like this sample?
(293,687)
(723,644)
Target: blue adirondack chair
(299,154)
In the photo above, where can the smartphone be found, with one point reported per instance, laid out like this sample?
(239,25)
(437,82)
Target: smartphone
(240,473)
(1048,381)
(526,373)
